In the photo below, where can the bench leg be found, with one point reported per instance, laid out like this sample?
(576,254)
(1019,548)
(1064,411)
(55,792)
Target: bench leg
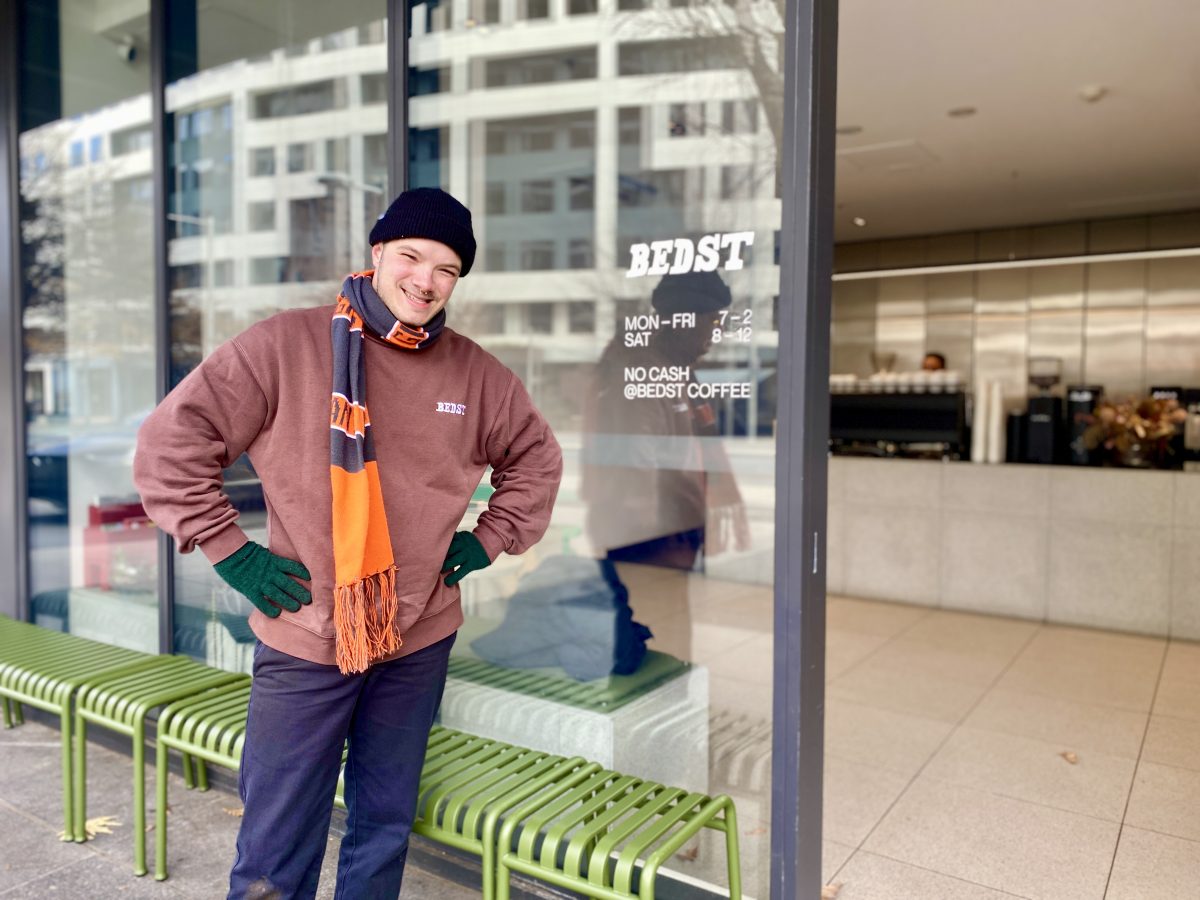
(18,712)
(733,857)
(80,804)
(8,720)
(160,811)
(139,796)
(64,734)
(189,779)
(201,774)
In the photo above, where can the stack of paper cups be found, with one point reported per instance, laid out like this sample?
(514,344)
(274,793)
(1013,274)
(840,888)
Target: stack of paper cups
(979,424)
(995,423)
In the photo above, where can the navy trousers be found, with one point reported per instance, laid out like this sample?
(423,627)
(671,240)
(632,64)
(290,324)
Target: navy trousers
(301,714)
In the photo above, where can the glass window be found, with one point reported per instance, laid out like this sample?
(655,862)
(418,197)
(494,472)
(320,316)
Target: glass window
(89,343)
(314,180)
(374,86)
(581,254)
(582,192)
(261,216)
(536,9)
(538,68)
(299,157)
(262,162)
(540,317)
(496,202)
(581,317)
(537,196)
(665,513)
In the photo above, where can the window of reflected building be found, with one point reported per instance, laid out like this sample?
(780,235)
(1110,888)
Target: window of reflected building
(86,200)
(619,190)
(278,163)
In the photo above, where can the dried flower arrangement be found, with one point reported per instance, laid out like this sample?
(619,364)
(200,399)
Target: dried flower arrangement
(1135,432)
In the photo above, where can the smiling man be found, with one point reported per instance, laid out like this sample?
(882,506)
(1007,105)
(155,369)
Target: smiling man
(370,424)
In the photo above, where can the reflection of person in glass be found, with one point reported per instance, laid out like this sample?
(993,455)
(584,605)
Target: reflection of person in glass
(656,479)
(368,504)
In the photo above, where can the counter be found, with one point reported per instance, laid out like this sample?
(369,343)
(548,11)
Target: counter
(1106,548)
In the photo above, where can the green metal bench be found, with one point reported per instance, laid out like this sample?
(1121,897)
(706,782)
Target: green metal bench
(209,727)
(45,669)
(608,835)
(469,783)
(122,702)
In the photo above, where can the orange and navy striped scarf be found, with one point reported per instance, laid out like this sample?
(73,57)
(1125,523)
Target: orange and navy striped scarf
(364,594)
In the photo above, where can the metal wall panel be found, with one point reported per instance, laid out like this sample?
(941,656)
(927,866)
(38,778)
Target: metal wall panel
(1173,322)
(948,249)
(1004,243)
(1001,330)
(855,299)
(1175,230)
(1056,317)
(1118,235)
(1172,347)
(1066,239)
(900,324)
(851,343)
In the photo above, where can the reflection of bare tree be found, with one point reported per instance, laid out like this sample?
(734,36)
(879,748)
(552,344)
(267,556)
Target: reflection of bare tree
(741,34)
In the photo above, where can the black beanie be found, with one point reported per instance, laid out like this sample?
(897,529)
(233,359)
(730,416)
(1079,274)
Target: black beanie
(699,292)
(428,213)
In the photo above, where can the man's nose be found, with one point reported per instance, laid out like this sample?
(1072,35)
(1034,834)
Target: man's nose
(423,279)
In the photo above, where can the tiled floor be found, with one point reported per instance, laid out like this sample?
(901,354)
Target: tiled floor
(972,756)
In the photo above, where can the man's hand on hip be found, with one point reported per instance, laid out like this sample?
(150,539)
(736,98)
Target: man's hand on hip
(466,555)
(263,578)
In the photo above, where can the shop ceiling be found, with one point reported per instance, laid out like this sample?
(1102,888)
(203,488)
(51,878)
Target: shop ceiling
(972,114)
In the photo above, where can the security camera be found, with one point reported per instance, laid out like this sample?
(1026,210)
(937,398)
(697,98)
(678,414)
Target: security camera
(127,49)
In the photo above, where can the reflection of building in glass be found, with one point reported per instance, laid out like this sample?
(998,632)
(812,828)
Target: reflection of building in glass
(574,141)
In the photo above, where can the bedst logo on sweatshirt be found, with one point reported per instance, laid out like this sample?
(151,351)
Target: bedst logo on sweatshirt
(454,409)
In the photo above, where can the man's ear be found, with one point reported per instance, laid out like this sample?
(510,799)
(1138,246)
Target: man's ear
(376,253)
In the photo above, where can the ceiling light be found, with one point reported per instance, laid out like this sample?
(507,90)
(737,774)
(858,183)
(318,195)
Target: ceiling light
(961,112)
(859,222)
(1093,93)
(849,129)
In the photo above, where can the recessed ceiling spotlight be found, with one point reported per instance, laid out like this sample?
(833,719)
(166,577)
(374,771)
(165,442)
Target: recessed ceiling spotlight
(859,222)
(1093,93)
(961,112)
(849,129)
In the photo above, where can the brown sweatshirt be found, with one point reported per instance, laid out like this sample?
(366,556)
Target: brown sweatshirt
(439,417)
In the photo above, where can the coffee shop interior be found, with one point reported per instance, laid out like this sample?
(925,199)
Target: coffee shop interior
(1013,584)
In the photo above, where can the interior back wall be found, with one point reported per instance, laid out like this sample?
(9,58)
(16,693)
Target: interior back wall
(1125,325)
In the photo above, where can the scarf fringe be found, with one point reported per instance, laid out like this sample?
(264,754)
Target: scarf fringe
(364,616)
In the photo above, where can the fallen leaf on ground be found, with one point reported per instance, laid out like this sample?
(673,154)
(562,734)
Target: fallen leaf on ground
(756,831)
(1072,758)
(93,827)
(235,811)
(830,891)
(690,854)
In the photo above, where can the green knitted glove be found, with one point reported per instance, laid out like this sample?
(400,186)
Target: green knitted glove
(465,555)
(262,577)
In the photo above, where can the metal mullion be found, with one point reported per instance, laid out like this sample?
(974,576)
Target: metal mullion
(806,266)
(162,298)
(14,530)
(398,27)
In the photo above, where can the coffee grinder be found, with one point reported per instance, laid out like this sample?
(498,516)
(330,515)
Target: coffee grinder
(1043,426)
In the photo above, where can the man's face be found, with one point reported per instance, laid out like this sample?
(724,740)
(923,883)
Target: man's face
(414,277)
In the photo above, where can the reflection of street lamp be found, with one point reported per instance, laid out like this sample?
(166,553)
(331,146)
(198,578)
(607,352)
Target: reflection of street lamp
(330,180)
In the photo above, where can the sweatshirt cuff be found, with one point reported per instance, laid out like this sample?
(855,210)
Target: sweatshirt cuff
(493,545)
(224,543)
